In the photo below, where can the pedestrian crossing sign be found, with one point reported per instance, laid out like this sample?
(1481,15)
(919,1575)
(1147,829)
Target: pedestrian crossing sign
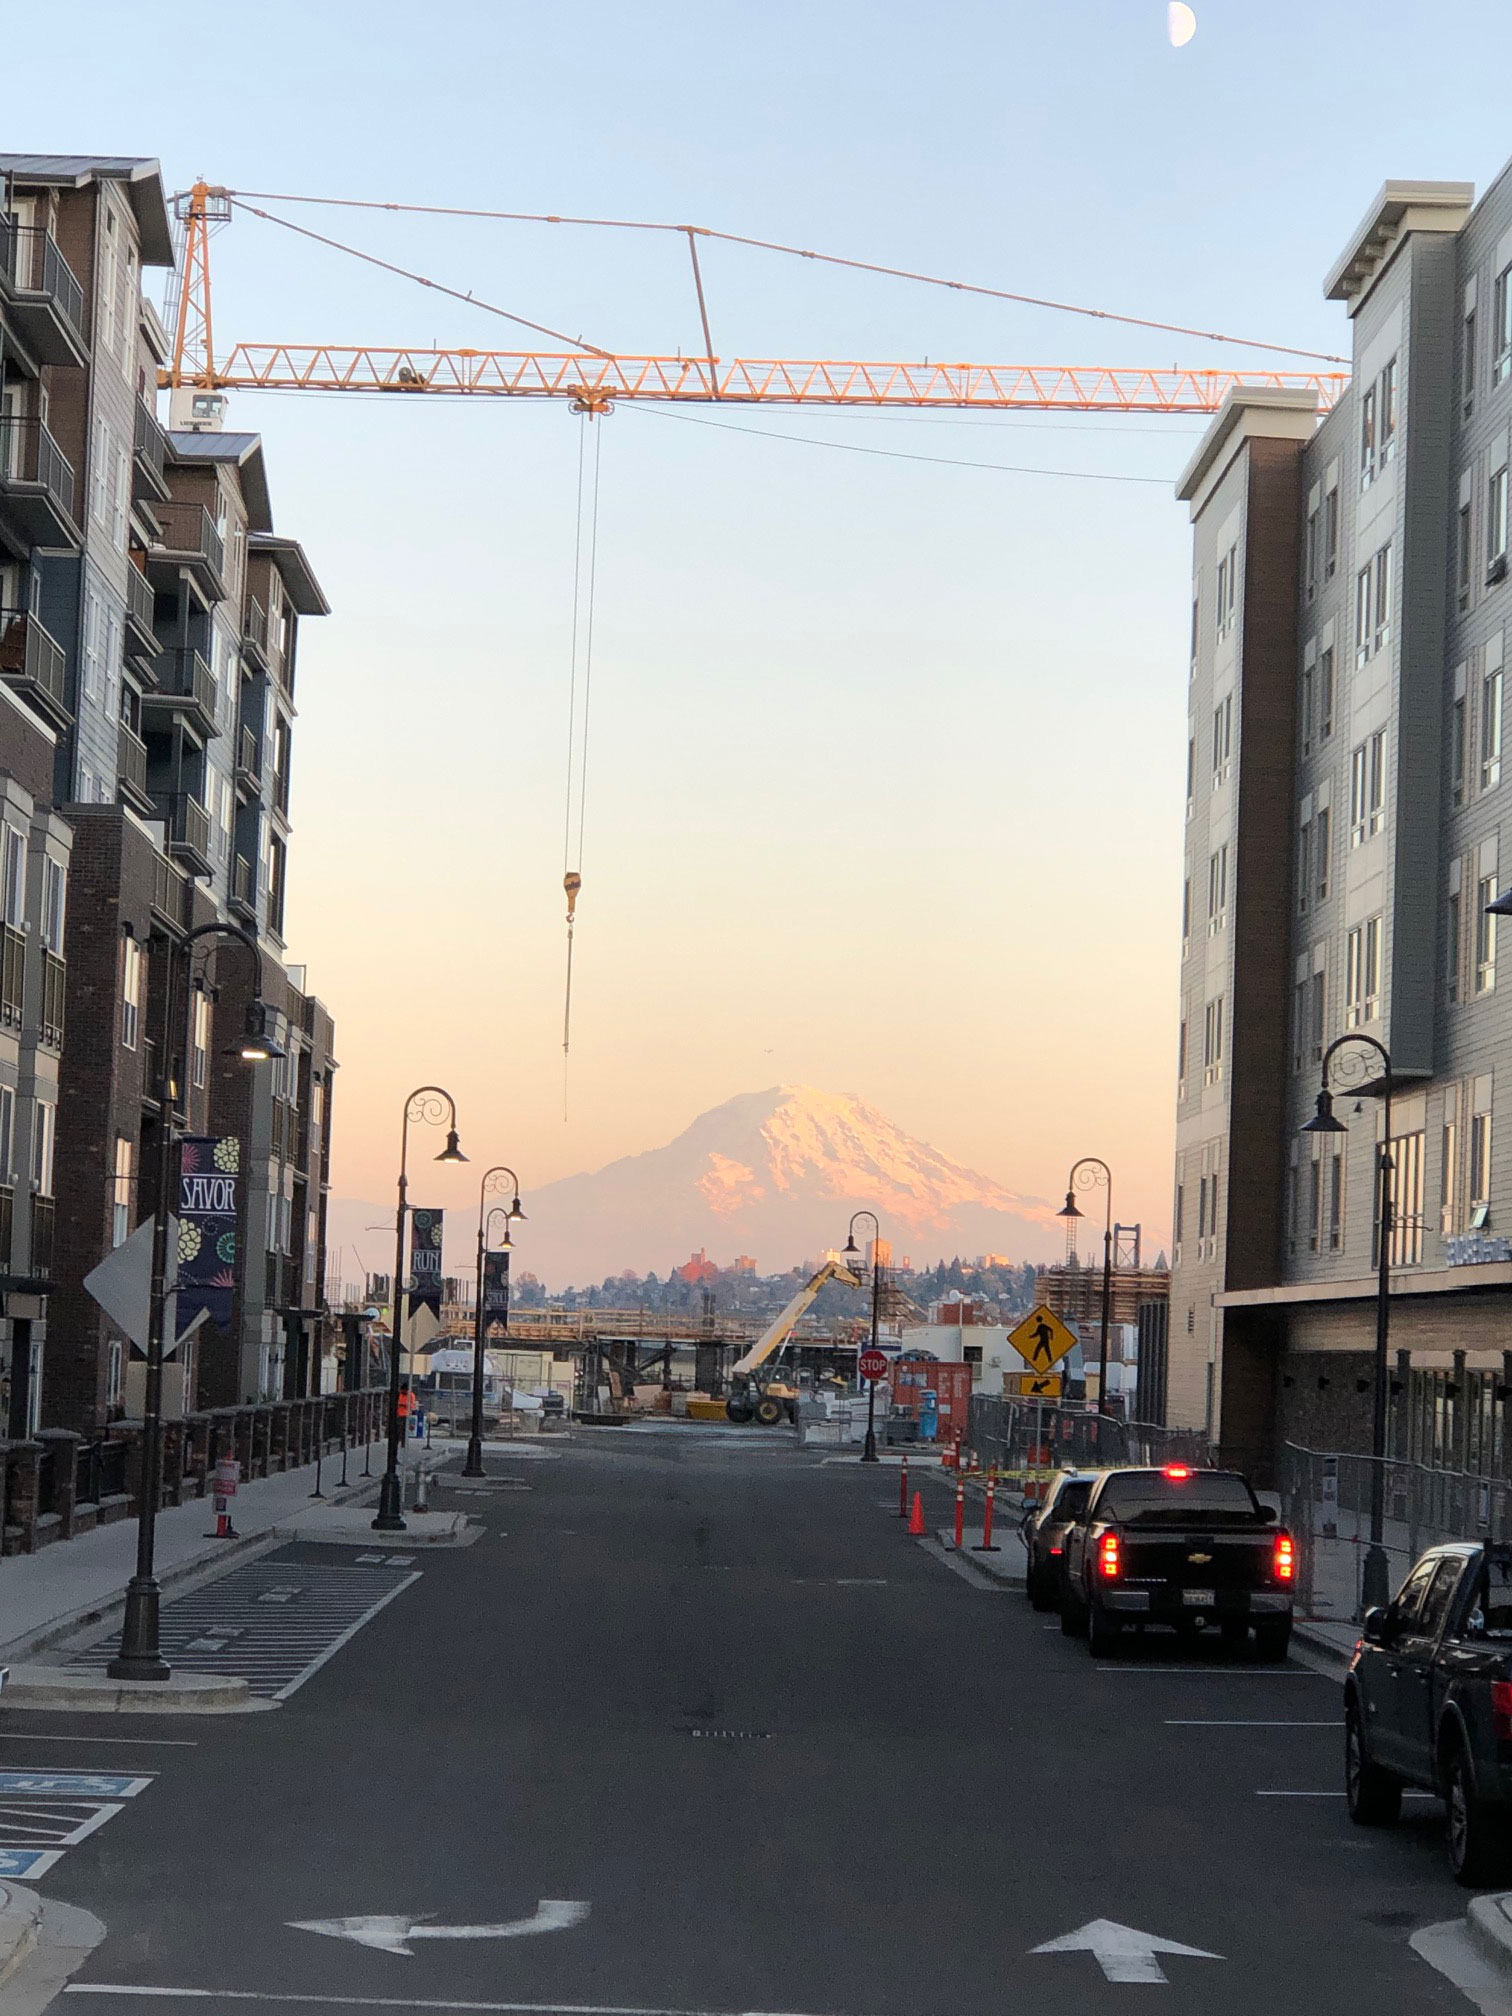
(1040,1385)
(1041,1340)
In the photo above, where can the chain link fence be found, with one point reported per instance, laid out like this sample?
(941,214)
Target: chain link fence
(1025,1435)
(1325,1503)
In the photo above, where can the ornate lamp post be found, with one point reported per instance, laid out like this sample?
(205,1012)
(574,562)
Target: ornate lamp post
(1375,1581)
(1088,1174)
(430,1104)
(473,1467)
(139,1657)
(869,1451)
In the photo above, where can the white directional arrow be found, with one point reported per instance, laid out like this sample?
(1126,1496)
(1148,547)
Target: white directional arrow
(1122,1953)
(392,1935)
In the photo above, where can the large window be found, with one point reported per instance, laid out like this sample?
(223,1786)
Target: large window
(1383,583)
(1496,524)
(1325,692)
(1501,362)
(1406,1248)
(1467,362)
(1336,1201)
(1318,1015)
(1363,582)
(1304,868)
(13,876)
(44,1145)
(1228,590)
(1452,929)
(1217,890)
(1331,534)
(1491,729)
(120,1209)
(1375,810)
(1212,1041)
(7,1144)
(54,896)
(1386,424)
(1358,775)
(201,1041)
(131,992)
(1480,1158)
(1373,590)
(1458,736)
(1362,974)
(1322,859)
(1367,436)
(1463,557)
(1223,739)
(1485,936)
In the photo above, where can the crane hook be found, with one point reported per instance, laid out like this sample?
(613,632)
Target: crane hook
(572,882)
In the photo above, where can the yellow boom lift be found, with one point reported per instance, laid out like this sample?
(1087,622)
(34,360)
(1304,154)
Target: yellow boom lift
(769,1399)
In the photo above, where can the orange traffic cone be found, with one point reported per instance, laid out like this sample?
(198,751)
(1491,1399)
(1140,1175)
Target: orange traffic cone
(916,1517)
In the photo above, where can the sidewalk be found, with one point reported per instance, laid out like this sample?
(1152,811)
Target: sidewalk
(45,1595)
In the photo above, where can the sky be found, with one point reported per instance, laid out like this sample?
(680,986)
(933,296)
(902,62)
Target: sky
(885,756)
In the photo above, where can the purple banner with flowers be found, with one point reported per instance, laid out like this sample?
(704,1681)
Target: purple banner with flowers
(208,1208)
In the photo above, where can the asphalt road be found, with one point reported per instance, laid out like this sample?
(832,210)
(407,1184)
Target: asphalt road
(788,1759)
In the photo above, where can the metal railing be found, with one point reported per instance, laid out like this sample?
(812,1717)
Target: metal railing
(28,652)
(43,1213)
(242,890)
(168,891)
(7,1225)
(54,991)
(100,1472)
(141,603)
(131,759)
(183,674)
(12,976)
(29,454)
(1026,1434)
(190,530)
(249,752)
(149,442)
(190,825)
(36,266)
(255,625)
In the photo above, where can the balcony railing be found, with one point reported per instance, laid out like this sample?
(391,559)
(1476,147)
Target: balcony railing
(150,445)
(281,791)
(12,976)
(31,657)
(43,1212)
(189,827)
(29,454)
(255,626)
(35,266)
(249,752)
(131,760)
(243,888)
(7,1226)
(278,1131)
(189,533)
(184,675)
(141,608)
(54,988)
(168,891)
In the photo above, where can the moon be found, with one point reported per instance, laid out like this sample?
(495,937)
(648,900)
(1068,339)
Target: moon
(1181,23)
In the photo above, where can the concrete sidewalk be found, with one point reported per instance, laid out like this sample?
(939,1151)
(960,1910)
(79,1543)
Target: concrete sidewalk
(45,1596)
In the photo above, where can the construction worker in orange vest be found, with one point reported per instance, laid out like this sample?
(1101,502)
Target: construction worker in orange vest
(406,1405)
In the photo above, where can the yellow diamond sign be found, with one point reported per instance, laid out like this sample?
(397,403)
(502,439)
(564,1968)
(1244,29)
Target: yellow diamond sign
(1041,1340)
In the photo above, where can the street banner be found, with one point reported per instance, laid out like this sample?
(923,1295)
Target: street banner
(424,1284)
(496,1286)
(208,1199)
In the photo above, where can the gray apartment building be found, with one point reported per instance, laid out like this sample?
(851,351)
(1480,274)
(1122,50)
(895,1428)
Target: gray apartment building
(149,617)
(1345,785)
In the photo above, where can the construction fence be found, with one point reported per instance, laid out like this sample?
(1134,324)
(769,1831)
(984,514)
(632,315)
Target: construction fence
(1027,1435)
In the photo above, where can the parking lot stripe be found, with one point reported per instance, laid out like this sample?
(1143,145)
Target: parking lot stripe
(350,1632)
(1335,1795)
(1203,1722)
(318,2001)
(111,1742)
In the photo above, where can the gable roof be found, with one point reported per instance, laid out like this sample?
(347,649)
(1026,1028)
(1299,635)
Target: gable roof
(141,175)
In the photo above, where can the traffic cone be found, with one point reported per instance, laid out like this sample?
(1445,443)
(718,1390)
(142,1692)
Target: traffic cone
(916,1517)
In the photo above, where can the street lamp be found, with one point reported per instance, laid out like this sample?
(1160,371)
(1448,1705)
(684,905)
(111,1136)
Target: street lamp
(1088,1174)
(430,1104)
(1375,1583)
(869,1450)
(139,1657)
(473,1467)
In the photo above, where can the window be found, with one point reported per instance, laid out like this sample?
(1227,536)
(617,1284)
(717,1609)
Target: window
(1217,891)
(1362,974)
(7,1141)
(1181,1063)
(1457,739)
(1322,840)
(1314,1204)
(1358,776)
(113,1369)
(1491,729)
(1331,534)
(1191,771)
(1310,555)
(1304,868)
(1305,708)
(44,1146)
(1382,633)
(1406,1248)
(1202,1209)
(1212,1042)
(1196,613)
(1386,426)
(1325,693)
(1186,913)
(104,462)
(1480,1158)
(94,655)
(201,1041)
(1501,362)
(1228,591)
(1496,525)
(1485,937)
(1299,1024)
(1376,807)
(120,1209)
(1362,614)
(1223,736)
(1319,1015)
(1448,1176)
(1463,558)
(1367,437)
(54,888)
(14,870)
(1178,1212)
(120,495)
(1467,361)
(1452,945)
(131,992)
(1336,1201)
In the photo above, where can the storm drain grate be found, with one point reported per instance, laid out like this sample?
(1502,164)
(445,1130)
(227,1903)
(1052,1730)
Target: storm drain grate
(734,1735)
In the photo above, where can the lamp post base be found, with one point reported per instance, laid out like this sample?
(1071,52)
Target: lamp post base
(390,1505)
(139,1657)
(1375,1581)
(869,1448)
(473,1467)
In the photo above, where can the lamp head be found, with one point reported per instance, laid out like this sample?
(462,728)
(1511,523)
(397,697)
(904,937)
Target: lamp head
(850,1245)
(452,1152)
(1070,1208)
(516,1209)
(259,1045)
(1323,1121)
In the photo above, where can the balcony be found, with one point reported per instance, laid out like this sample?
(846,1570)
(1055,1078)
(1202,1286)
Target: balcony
(170,893)
(141,606)
(244,889)
(131,771)
(44,298)
(191,544)
(255,635)
(37,484)
(12,976)
(34,664)
(54,988)
(189,834)
(248,760)
(149,456)
(186,691)
(43,1212)
(7,1226)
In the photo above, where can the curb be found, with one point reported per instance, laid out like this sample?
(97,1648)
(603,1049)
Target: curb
(1488,1920)
(63,1689)
(20,1918)
(1316,1641)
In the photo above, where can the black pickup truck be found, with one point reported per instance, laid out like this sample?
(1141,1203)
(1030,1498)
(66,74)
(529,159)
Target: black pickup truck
(1182,1547)
(1428,1703)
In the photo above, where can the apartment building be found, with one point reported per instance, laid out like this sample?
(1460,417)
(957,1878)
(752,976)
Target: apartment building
(148,644)
(1344,798)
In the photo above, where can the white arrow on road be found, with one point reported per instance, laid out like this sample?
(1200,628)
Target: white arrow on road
(1122,1953)
(392,1935)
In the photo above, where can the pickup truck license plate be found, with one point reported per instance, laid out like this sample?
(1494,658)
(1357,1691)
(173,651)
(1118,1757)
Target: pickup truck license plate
(1197,1599)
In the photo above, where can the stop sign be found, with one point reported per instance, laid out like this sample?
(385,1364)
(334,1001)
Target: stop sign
(872,1365)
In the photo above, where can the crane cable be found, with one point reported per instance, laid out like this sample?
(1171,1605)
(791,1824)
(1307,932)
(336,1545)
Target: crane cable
(577,741)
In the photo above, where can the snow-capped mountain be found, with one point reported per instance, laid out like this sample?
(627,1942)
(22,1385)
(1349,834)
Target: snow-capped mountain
(776,1175)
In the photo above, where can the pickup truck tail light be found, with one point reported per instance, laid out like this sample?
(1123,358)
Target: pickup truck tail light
(1501,1709)
(1284,1559)
(1107,1556)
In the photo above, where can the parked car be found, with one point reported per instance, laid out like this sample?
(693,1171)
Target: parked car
(1180,1547)
(1044,1534)
(1428,1703)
